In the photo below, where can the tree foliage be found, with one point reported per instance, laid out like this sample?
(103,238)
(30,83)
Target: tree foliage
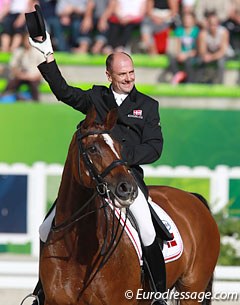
(229,228)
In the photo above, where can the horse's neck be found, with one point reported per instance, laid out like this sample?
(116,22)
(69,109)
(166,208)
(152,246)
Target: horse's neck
(70,196)
(91,223)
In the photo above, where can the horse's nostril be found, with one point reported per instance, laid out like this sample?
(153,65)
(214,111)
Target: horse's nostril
(124,189)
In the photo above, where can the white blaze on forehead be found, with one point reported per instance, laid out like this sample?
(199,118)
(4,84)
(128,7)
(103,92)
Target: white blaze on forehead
(110,143)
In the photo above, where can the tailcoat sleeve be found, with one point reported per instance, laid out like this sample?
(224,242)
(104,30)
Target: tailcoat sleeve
(72,96)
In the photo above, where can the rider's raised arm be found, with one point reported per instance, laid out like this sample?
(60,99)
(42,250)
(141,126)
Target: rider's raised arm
(72,96)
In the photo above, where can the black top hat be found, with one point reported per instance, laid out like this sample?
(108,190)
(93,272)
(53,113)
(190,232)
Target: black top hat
(35,24)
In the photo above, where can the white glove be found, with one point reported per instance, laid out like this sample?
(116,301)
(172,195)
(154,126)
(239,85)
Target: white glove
(44,47)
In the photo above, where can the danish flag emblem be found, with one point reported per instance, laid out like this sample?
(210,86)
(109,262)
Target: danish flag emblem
(172,243)
(137,112)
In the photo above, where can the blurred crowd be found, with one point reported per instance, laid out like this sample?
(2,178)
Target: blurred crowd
(192,33)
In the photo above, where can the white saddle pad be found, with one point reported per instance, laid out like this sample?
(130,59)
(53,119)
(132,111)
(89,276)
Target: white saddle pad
(172,249)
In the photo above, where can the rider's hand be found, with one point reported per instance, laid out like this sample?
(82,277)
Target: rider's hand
(44,47)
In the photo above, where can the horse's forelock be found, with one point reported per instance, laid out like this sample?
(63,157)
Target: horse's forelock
(95,127)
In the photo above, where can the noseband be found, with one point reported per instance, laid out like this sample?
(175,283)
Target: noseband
(101,185)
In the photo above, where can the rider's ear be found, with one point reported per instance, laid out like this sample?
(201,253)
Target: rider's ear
(111,119)
(90,118)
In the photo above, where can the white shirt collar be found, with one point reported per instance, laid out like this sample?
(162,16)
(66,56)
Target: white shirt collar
(119,97)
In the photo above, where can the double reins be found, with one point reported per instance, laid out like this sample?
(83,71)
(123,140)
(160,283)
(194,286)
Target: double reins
(101,185)
(103,191)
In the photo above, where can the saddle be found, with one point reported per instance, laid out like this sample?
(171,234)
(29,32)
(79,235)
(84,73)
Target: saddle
(161,231)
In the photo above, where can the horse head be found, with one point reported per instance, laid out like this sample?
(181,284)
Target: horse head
(100,164)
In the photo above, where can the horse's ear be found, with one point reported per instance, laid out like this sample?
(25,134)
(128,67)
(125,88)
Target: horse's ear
(111,119)
(90,118)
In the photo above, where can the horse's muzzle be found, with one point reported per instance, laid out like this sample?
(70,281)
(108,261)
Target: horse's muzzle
(125,193)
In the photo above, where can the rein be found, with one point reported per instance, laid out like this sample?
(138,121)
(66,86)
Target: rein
(113,235)
(102,189)
(106,251)
(101,186)
(75,217)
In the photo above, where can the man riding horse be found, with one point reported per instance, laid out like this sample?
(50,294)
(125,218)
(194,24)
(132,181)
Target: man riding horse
(138,130)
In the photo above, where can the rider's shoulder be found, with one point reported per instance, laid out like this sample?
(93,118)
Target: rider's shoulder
(146,98)
(99,88)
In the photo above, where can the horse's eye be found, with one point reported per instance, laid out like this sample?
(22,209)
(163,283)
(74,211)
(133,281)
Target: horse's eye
(92,149)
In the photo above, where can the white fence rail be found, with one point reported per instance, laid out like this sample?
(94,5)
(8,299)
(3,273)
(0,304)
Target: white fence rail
(37,190)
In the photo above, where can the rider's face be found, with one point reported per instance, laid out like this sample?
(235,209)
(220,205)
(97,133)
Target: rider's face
(122,75)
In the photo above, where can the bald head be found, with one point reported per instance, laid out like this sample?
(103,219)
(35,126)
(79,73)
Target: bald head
(120,72)
(116,57)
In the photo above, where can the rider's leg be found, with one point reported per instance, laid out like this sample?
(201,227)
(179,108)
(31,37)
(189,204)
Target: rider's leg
(45,227)
(43,232)
(152,251)
(38,290)
(156,264)
(141,213)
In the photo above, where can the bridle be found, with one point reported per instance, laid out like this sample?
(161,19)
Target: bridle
(101,186)
(98,178)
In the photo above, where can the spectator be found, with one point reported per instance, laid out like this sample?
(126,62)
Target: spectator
(188,6)
(13,24)
(4,9)
(213,44)
(186,50)
(76,17)
(160,16)
(203,7)
(53,24)
(100,25)
(124,18)
(233,26)
(23,70)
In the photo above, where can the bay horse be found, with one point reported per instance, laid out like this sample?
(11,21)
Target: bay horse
(88,258)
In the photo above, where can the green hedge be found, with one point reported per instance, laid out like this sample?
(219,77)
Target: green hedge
(163,89)
(140,60)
